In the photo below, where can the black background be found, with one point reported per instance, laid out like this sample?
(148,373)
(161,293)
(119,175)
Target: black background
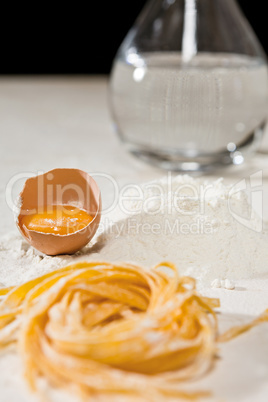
(80,38)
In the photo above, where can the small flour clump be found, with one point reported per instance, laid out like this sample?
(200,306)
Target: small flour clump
(207,229)
(223,283)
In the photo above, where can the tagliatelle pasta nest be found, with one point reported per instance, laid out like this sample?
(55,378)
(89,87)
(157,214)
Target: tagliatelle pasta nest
(113,330)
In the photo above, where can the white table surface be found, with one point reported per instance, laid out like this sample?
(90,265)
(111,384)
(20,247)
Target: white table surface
(64,122)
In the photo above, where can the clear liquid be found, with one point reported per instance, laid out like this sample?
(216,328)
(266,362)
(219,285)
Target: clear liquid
(212,106)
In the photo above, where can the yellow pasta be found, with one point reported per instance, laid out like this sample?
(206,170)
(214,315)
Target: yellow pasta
(113,331)
(240,329)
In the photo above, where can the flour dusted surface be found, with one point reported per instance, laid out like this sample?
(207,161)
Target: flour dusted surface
(19,262)
(193,223)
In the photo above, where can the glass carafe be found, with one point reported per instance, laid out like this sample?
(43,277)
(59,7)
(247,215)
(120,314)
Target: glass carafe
(188,87)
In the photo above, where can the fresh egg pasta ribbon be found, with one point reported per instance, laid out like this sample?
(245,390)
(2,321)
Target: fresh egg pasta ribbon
(113,330)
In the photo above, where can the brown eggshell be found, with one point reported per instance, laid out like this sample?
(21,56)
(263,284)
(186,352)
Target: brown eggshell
(60,187)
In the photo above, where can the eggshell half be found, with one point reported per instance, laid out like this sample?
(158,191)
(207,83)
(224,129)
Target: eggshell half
(60,187)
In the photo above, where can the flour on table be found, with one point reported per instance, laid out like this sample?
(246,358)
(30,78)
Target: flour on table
(193,223)
(19,262)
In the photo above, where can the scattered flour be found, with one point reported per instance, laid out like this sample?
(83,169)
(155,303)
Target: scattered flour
(207,229)
(19,262)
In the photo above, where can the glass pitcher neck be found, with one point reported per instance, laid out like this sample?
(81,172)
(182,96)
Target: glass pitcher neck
(193,26)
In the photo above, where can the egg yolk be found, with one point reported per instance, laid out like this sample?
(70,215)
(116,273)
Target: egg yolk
(58,219)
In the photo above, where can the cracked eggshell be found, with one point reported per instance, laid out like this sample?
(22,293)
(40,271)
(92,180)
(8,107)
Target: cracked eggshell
(66,187)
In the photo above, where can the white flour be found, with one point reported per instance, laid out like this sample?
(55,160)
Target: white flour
(193,223)
(207,229)
(19,262)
